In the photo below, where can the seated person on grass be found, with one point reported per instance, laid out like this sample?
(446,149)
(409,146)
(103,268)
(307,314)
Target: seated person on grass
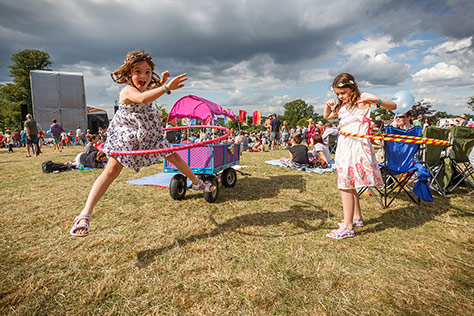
(298,155)
(321,155)
(93,159)
(255,146)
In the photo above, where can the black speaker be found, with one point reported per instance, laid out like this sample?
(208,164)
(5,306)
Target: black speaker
(24,111)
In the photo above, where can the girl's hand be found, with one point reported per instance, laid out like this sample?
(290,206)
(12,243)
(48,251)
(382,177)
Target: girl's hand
(331,103)
(177,82)
(164,77)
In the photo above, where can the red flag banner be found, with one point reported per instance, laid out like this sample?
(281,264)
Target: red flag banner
(242,116)
(257,118)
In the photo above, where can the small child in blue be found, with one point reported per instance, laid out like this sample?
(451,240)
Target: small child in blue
(136,126)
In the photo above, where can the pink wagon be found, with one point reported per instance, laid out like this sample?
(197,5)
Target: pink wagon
(208,162)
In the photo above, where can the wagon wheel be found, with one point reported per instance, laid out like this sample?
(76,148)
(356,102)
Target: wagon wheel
(178,187)
(229,178)
(212,196)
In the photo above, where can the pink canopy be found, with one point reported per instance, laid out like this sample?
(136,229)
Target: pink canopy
(194,107)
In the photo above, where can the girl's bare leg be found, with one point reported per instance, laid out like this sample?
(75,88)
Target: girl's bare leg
(348,206)
(357,212)
(111,172)
(183,167)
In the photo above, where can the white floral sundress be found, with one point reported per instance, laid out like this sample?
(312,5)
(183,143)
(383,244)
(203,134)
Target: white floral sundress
(136,126)
(355,159)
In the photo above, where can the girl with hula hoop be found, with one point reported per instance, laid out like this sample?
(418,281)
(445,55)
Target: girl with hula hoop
(136,126)
(355,159)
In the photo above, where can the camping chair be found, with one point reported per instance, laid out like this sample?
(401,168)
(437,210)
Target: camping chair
(332,143)
(462,140)
(398,168)
(433,157)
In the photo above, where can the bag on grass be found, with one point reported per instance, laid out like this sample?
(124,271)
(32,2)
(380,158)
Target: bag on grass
(49,166)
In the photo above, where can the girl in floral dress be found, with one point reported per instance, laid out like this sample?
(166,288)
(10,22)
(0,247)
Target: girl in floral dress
(355,159)
(136,126)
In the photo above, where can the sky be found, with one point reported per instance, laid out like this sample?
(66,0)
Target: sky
(255,55)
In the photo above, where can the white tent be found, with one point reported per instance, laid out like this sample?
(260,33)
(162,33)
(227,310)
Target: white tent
(59,95)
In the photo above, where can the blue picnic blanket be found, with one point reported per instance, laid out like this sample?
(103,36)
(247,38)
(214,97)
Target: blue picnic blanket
(277,162)
(159,180)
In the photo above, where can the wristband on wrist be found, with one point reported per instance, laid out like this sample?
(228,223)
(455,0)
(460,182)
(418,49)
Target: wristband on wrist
(166,90)
(380,102)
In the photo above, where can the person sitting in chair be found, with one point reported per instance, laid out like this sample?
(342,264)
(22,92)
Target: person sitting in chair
(403,121)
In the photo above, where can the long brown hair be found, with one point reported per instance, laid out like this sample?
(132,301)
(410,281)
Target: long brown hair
(121,75)
(318,139)
(346,80)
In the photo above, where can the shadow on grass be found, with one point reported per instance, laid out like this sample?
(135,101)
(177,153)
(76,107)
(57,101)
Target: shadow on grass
(296,215)
(252,188)
(408,217)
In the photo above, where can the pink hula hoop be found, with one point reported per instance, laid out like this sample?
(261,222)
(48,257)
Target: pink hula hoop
(175,148)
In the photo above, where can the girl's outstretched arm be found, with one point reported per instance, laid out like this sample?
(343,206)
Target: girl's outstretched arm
(368,99)
(131,94)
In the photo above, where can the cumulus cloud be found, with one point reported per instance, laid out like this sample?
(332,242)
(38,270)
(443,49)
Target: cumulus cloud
(375,70)
(439,72)
(454,65)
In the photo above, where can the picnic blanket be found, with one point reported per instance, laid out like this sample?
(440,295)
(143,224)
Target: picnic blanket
(158,180)
(162,180)
(277,162)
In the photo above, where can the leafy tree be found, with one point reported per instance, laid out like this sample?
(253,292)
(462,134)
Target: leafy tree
(10,106)
(470,104)
(233,124)
(384,114)
(12,95)
(442,114)
(25,61)
(422,108)
(296,110)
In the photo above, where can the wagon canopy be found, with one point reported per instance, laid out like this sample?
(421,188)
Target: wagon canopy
(194,107)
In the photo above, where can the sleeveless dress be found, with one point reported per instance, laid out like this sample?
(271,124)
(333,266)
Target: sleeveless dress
(355,159)
(136,126)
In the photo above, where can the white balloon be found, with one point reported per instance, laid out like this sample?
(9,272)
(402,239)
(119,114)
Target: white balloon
(404,100)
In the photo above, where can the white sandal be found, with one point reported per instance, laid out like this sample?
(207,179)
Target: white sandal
(204,186)
(341,233)
(78,226)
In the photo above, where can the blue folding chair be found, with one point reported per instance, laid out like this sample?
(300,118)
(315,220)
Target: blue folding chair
(399,168)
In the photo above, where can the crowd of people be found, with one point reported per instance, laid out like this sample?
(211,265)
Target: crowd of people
(32,137)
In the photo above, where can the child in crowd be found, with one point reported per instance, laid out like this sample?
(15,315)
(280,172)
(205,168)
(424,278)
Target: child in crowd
(92,141)
(298,155)
(255,146)
(355,159)
(321,152)
(8,139)
(136,126)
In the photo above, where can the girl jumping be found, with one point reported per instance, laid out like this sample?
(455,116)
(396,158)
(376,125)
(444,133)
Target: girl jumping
(355,159)
(136,126)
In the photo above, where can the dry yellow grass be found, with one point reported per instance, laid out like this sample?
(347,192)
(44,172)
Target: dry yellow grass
(260,250)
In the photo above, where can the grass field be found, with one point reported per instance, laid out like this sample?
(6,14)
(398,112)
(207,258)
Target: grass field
(259,250)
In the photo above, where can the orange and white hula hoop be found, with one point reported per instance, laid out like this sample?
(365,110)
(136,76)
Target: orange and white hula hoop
(401,139)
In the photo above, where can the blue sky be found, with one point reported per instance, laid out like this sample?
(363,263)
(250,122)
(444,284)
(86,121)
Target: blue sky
(256,55)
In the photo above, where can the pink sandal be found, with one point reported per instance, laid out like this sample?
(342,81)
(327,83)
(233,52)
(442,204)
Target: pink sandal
(355,222)
(78,226)
(341,233)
